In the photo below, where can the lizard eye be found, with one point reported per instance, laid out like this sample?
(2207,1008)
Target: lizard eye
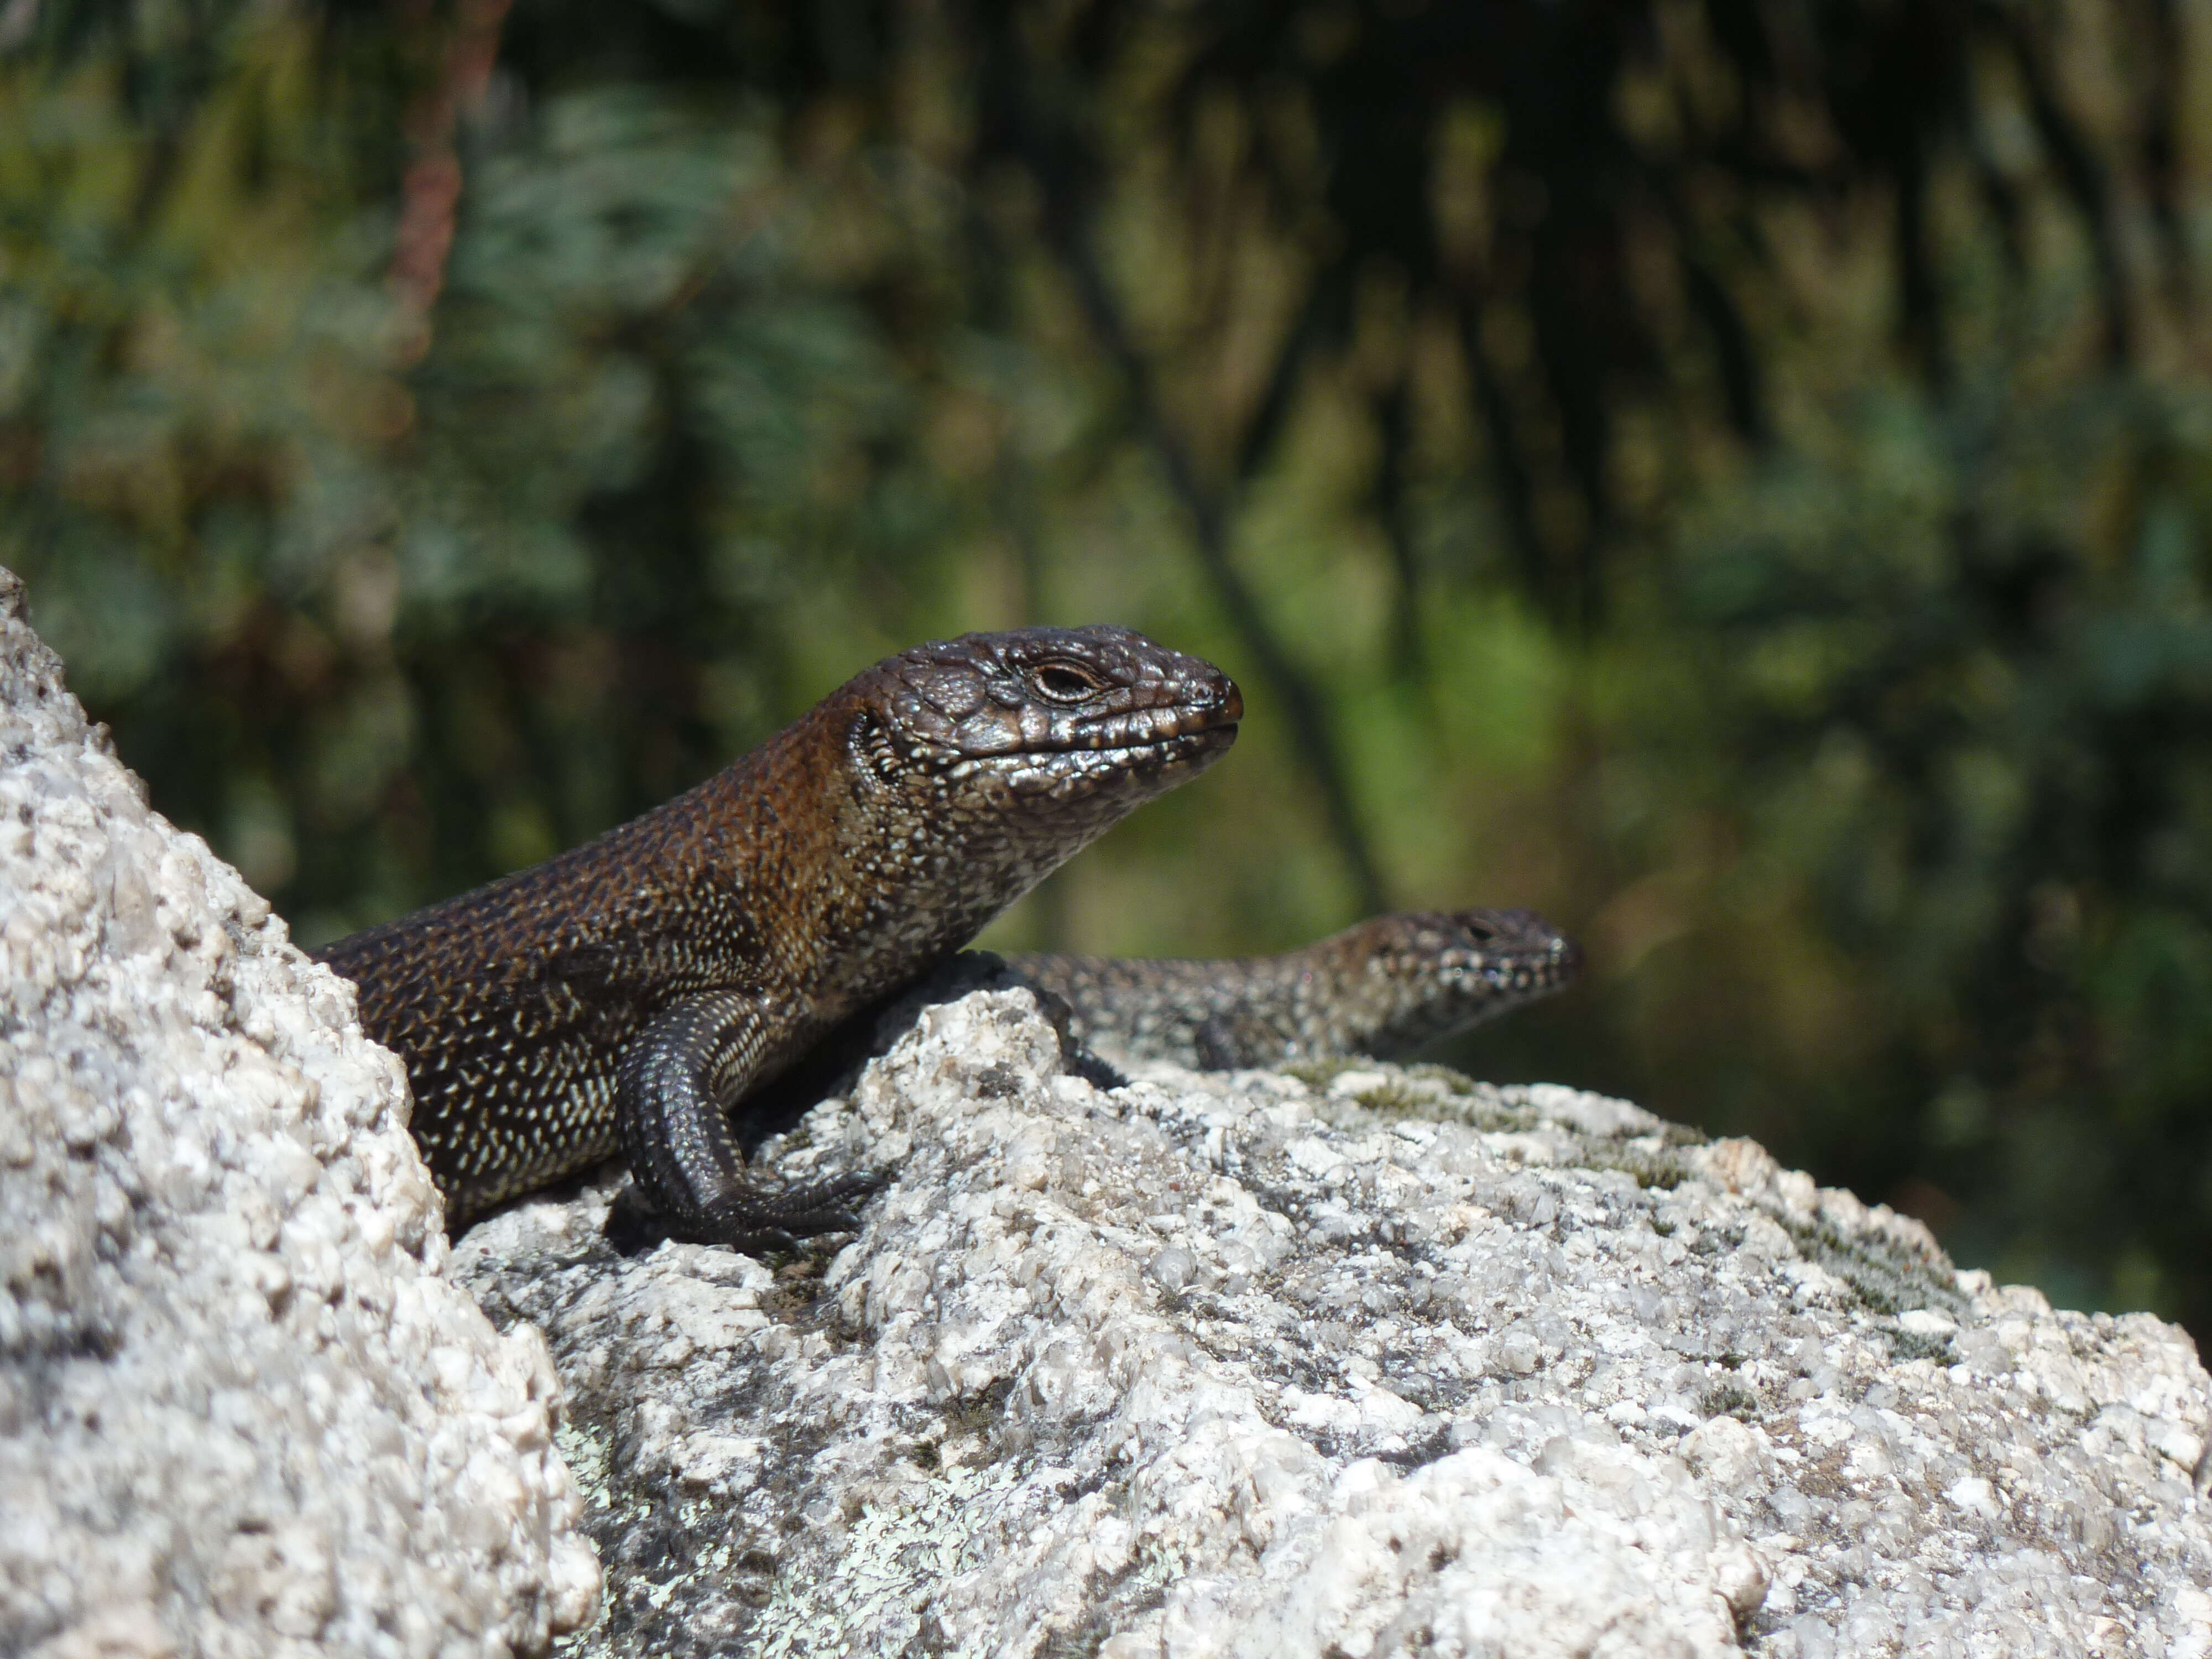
(1065,681)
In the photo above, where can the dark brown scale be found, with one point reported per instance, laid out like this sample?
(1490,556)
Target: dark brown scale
(629,993)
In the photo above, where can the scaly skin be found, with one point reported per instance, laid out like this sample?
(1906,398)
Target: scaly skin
(1384,987)
(632,993)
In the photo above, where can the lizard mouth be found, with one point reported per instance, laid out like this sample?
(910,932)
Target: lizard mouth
(1152,737)
(1205,743)
(1147,762)
(1206,726)
(1211,718)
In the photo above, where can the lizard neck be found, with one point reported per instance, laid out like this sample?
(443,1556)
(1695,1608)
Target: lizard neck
(860,865)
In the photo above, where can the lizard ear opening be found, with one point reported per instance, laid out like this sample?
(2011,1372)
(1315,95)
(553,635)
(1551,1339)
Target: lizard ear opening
(870,744)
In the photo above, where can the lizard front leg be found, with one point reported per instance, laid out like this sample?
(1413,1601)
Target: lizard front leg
(679,1077)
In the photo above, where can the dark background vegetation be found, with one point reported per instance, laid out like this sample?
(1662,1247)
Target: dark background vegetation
(1734,475)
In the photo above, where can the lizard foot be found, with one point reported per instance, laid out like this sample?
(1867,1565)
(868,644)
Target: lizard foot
(746,1218)
(749,1219)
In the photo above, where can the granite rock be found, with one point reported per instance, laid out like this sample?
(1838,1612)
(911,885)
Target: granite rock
(1362,1361)
(241,1410)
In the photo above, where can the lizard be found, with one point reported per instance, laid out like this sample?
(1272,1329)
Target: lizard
(630,995)
(1384,987)
(625,995)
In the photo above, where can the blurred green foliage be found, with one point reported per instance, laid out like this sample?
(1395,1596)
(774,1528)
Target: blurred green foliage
(1734,476)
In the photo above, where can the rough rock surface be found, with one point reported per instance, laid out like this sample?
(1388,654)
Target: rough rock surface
(241,1410)
(1361,1362)
(1375,1363)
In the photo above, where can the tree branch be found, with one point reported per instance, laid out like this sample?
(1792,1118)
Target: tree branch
(1308,724)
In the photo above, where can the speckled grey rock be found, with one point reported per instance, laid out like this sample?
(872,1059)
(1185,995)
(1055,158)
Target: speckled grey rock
(240,1411)
(1379,1363)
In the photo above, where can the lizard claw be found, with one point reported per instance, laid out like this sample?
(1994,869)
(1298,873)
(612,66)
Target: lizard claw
(750,1220)
(759,1241)
(746,1218)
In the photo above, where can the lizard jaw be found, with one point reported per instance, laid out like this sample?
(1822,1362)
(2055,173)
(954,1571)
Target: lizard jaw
(1064,773)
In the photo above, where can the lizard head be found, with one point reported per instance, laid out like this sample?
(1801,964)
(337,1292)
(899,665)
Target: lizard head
(1044,720)
(1509,951)
(1425,975)
(980,763)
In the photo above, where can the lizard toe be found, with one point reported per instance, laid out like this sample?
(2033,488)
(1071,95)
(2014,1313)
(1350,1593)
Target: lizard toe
(751,1219)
